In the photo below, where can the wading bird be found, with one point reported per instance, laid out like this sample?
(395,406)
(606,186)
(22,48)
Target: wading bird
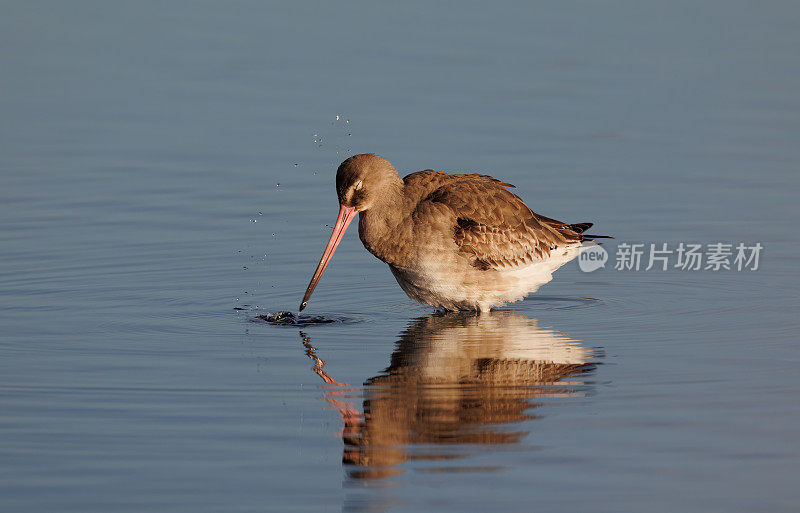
(455,242)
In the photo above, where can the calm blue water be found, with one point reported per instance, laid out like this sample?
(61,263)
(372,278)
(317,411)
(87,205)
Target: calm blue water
(167,178)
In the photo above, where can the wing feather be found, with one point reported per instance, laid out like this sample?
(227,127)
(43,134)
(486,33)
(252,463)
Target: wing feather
(492,227)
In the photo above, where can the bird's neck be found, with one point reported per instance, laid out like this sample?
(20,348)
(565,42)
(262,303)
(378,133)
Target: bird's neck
(385,227)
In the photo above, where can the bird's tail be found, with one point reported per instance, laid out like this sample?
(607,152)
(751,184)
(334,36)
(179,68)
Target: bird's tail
(581,228)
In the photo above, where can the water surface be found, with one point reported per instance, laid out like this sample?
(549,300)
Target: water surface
(167,181)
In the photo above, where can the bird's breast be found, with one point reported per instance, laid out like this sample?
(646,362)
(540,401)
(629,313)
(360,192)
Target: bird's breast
(390,240)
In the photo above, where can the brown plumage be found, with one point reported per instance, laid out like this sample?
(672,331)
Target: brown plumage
(455,241)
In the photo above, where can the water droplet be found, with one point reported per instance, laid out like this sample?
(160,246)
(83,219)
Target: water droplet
(296,164)
(337,118)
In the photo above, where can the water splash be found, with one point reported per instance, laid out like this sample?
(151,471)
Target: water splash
(282,318)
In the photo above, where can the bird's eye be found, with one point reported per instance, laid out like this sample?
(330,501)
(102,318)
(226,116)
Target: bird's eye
(358,185)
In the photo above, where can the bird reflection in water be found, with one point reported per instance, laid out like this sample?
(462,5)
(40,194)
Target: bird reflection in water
(455,380)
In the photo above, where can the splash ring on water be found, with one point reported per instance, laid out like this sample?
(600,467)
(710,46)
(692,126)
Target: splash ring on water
(290,319)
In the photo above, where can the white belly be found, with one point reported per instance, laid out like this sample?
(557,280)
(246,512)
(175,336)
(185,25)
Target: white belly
(453,285)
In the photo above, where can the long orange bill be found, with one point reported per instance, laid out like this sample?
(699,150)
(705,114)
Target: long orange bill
(346,214)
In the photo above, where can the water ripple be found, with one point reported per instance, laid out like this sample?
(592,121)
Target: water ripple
(291,319)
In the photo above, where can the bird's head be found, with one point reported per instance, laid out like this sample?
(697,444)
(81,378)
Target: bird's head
(361,182)
(362,179)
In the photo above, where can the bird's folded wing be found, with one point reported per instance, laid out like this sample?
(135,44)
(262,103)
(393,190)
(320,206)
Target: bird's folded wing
(492,227)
